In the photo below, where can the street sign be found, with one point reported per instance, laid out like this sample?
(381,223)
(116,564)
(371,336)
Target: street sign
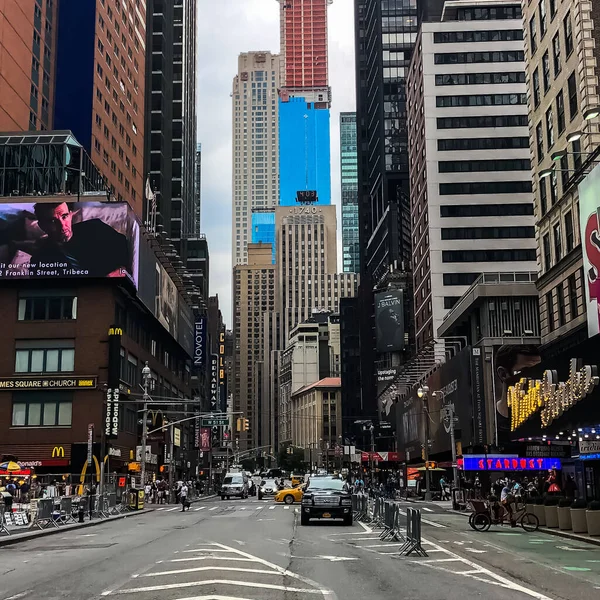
(215,422)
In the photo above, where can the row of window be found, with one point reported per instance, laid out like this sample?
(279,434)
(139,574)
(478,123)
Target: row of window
(453,37)
(480,78)
(481,100)
(494,143)
(486,187)
(478,166)
(488,14)
(42,410)
(461,58)
(486,210)
(561,246)
(47,307)
(460,278)
(567,28)
(566,288)
(508,255)
(486,233)
(486,121)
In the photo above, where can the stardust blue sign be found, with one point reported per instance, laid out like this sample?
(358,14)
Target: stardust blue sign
(506,463)
(200,343)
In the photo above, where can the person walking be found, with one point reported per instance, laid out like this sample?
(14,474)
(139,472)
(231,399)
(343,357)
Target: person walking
(183,492)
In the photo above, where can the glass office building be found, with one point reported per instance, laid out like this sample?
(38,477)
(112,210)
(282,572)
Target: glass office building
(349,176)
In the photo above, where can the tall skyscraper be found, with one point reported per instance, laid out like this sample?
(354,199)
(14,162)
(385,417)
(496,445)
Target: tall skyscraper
(170,145)
(349,176)
(100,79)
(472,210)
(28,56)
(198,191)
(254,296)
(255,149)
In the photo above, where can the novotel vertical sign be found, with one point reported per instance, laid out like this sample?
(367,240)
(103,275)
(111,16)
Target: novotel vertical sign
(200,343)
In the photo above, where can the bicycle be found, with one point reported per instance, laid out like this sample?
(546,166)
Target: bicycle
(482,517)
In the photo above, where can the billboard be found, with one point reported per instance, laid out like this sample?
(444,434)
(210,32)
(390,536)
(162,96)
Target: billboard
(389,321)
(589,223)
(166,300)
(52,240)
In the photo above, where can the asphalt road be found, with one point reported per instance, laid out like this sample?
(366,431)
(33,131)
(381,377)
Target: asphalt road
(255,550)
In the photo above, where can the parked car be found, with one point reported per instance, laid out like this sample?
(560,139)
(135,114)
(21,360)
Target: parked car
(326,498)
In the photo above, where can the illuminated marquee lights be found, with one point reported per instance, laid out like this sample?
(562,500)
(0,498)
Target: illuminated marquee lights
(553,397)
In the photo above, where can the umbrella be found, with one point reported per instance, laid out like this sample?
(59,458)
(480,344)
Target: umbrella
(425,469)
(10,466)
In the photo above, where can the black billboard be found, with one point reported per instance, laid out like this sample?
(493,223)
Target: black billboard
(389,321)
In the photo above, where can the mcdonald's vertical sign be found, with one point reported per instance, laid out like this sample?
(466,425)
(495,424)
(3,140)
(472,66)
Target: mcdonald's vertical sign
(111,419)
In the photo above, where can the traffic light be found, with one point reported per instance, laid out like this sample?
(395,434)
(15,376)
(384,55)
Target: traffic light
(238,425)
(431,464)
(246,424)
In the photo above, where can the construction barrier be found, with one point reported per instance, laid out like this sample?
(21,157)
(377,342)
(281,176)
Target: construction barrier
(413,534)
(3,527)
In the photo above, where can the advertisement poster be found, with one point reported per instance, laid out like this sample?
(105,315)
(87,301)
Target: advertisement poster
(205,439)
(53,240)
(589,223)
(389,320)
(166,300)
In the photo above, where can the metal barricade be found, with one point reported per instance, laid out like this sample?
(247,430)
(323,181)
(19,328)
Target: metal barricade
(66,510)
(44,515)
(378,513)
(102,509)
(360,507)
(3,527)
(413,534)
(112,504)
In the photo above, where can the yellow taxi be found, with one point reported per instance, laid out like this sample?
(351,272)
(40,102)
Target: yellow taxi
(290,495)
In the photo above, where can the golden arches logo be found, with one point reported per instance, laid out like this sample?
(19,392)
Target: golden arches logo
(153,414)
(58,452)
(115,331)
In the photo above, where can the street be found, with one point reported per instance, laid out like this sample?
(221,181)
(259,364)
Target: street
(255,549)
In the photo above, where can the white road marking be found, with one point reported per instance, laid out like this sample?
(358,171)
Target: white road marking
(475,551)
(213,568)
(271,508)
(213,508)
(436,560)
(201,508)
(163,508)
(427,509)
(243,508)
(230,558)
(16,596)
(172,509)
(239,583)
(365,527)
(240,542)
(286,508)
(211,550)
(432,523)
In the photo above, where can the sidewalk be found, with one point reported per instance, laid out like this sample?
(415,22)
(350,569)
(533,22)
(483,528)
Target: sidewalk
(29,534)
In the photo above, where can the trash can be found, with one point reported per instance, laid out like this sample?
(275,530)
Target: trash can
(136,499)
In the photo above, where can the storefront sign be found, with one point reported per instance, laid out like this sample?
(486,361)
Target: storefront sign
(111,419)
(176,436)
(214,381)
(381,456)
(548,451)
(589,447)
(477,394)
(48,383)
(197,431)
(53,462)
(116,452)
(200,343)
(481,463)
(553,397)
(90,443)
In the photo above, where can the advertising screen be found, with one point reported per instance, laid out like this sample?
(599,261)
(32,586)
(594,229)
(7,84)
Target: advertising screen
(389,320)
(52,240)
(589,223)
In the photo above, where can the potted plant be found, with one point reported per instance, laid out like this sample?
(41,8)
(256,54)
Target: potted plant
(551,511)
(564,514)
(592,515)
(531,501)
(578,516)
(539,512)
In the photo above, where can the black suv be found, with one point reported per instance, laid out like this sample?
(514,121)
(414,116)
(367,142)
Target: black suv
(326,498)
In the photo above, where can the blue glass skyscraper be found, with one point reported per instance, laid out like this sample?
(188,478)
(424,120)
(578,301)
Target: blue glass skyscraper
(349,175)
(263,229)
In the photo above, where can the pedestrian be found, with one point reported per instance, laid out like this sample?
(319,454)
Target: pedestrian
(183,492)
(444,489)
(147,492)
(91,494)
(570,487)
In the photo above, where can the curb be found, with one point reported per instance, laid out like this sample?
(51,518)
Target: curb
(34,535)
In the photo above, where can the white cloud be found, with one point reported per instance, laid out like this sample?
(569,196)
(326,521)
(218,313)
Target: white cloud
(225,29)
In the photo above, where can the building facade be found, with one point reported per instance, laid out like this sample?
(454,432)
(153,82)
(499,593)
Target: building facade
(470,209)
(28,57)
(99,92)
(349,187)
(255,152)
(561,56)
(170,143)
(254,296)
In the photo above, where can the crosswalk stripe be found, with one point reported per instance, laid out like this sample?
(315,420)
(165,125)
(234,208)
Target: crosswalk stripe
(213,508)
(172,509)
(201,508)
(213,568)
(164,508)
(243,508)
(286,508)
(229,558)
(271,508)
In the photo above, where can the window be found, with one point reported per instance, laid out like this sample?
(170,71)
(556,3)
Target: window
(486,210)
(457,58)
(543,20)
(487,121)
(488,143)
(546,249)
(460,278)
(560,112)
(481,100)
(553,188)
(47,308)
(475,166)
(568,30)
(450,301)
(42,409)
(572,90)
(549,128)
(491,13)
(560,297)
(501,255)
(487,233)
(492,187)
(550,311)
(453,37)
(539,141)
(546,71)
(532,35)
(44,356)
(573,296)
(569,233)
(576,149)
(543,196)
(557,242)
(564,172)
(556,54)
(536,87)
(480,78)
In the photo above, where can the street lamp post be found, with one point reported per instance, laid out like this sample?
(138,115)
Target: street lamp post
(146,377)
(422,393)
(372,454)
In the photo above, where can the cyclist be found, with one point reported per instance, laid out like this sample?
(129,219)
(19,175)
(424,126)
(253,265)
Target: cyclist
(507,499)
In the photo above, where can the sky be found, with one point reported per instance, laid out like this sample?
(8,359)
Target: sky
(225,29)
